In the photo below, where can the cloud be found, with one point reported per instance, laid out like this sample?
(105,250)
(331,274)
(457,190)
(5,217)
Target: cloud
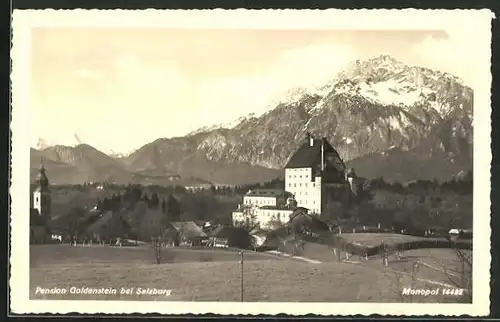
(152,78)
(455,54)
(234,96)
(301,67)
(311,65)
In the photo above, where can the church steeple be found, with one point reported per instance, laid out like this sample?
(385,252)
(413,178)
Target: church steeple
(41,178)
(41,195)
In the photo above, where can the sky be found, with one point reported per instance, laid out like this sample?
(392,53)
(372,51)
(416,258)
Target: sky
(118,89)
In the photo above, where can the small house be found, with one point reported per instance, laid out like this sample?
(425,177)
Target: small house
(185,233)
(303,222)
(225,236)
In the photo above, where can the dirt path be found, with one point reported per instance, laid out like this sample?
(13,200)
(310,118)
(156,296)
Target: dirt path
(304,259)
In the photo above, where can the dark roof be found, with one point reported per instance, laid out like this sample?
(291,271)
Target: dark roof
(307,155)
(301,215)
(225,231)
(189,229)
(266,193)
(299,211)
(41,178)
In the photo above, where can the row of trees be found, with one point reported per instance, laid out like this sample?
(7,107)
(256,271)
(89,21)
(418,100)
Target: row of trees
(459,185)
(128,199)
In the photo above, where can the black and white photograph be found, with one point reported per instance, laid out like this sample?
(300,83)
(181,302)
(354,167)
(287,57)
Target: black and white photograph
(324,162)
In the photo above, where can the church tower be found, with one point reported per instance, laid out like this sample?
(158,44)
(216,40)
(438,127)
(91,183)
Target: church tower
(41,196)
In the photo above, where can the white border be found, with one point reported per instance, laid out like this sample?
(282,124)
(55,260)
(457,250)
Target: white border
(23,20)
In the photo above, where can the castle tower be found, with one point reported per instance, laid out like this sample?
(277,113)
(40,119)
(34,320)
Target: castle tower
(41,196)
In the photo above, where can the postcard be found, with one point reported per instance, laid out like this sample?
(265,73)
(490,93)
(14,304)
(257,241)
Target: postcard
(328,162)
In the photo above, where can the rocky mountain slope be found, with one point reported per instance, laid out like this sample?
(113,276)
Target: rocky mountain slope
(385,119)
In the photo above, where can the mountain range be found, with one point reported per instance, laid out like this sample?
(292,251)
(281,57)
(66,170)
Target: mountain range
(385,118)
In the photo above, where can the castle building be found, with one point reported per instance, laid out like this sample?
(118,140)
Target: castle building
(41,195)
(317,177)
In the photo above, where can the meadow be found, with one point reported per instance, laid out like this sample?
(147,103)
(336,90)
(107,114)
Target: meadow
(191,277)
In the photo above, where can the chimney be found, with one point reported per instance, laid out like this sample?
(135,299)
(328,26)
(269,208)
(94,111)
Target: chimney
(310,138)
(323,154)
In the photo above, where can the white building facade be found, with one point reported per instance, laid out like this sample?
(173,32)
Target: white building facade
(263,207)
(313,175)
(305,188)
(270,217)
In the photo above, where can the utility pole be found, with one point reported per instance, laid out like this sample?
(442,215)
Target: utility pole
(158,250)
(158,247)
(241,276)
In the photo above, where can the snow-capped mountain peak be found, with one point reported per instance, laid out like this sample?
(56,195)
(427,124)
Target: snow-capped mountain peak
(224,125)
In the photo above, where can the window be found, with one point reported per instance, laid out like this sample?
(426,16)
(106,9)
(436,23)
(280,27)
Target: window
(314,185)
(300,177)
(295,185)
(305,184)
(290,185)
(300,184)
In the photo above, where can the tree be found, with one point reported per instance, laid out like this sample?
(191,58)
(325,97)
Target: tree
(275,224)
(74,225)
(154,201)
(171,208)
(138,213)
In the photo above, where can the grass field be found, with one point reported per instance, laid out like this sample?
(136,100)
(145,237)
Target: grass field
(374,239)
(266,277)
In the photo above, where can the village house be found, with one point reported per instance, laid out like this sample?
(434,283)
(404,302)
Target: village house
(264,216)
(225,236)
(186,233)
(272,217)
(302,221)
(265,197)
